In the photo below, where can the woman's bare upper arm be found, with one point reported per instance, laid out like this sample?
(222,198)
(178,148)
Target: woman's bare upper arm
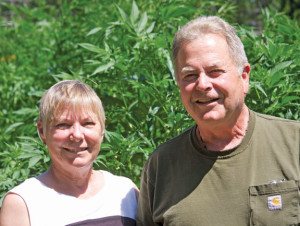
(14,211)
(137,191)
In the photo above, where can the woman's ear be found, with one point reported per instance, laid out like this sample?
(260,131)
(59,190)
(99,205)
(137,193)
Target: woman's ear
(102,136)
(41,131)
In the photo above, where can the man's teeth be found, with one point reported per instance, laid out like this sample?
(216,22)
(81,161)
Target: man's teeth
(205,101)
(75,150)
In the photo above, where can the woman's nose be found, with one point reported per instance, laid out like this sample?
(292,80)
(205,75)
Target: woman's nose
(76,133)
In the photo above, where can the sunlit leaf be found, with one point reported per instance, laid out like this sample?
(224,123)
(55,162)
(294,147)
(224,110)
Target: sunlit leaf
(33,161)
(280,66)
(92,48)
(94,31)
(103,67)
(123,15)
(134,13)
(150,28)
(142,22)
(11,127)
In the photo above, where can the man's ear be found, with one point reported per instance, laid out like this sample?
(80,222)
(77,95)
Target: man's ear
(245,77)
(41,131)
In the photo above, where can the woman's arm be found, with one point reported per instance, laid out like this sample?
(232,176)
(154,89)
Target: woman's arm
(14,211)
(137,192)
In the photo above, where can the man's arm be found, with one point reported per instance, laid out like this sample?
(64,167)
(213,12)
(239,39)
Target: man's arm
(144,215)
(14,211)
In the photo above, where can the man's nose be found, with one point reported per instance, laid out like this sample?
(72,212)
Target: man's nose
(204,82)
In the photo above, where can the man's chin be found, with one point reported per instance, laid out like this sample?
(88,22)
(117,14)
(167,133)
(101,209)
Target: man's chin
(210,117)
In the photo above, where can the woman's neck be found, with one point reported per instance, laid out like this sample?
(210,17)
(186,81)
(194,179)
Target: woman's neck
(79,183)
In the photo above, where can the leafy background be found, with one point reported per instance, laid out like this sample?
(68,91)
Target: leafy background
(122,48)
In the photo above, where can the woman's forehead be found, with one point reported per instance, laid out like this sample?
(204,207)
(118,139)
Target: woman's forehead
(71,112)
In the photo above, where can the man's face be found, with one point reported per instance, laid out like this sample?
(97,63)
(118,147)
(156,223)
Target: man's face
(211,89)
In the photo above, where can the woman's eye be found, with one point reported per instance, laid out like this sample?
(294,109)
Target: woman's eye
(89,124)
(62,125)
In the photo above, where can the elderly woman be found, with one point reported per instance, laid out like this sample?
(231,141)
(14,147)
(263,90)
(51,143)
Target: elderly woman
(71,123)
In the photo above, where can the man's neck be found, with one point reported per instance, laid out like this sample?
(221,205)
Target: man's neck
(224,136)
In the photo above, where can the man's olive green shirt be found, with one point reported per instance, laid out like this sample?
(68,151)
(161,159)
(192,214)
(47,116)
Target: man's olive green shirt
(256,183)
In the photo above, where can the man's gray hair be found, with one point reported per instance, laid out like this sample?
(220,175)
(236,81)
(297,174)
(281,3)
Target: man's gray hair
(210,25)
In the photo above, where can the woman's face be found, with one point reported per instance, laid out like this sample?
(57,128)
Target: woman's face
(73,139)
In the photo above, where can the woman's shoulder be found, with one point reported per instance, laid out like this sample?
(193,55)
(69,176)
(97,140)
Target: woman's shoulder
(119,187)
(116,179)
(29,185)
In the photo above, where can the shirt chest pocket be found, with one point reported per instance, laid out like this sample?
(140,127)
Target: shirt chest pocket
(275,203)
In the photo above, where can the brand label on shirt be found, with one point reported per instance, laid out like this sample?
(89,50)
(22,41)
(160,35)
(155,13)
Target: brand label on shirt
(274,202)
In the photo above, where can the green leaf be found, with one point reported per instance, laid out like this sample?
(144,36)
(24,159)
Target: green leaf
(93,31)
(16,174)
(123,15)
(150,28)
(62,76)
(132,105)
(134,13)
(26,155)
(109,135)
(31,139)
(285,29)
(280,66)
(277,77)
(257,85)
(34,160)
(271,108)
(103,67)
(13,126)
(289,99)
(26,111)
(93,48)
(142,22)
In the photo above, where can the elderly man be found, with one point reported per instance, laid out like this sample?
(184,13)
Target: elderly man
(235,166)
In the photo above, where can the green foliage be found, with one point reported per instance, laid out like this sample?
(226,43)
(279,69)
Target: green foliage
(275,59)
(123,50)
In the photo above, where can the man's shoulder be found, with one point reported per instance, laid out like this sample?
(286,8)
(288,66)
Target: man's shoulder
(276,121)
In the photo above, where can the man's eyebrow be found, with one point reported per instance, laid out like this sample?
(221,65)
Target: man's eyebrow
(187,69)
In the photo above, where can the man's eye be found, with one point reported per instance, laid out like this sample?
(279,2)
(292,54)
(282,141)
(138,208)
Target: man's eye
(190,77)
(216,72)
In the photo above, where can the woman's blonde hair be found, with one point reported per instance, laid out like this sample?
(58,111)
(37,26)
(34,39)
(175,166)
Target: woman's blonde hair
(70,93)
